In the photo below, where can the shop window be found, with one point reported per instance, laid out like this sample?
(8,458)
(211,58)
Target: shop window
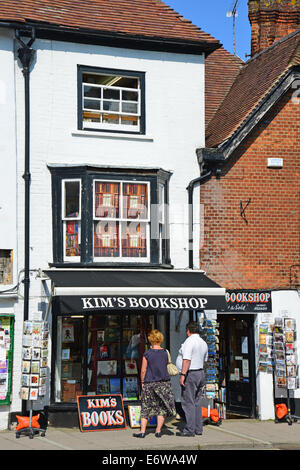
(116,344)
(111,100)
(117,207)
(71,218)
(6,257)
(112,218)
(69,359)
(100,354)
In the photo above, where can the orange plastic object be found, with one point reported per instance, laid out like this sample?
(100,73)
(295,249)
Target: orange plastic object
(24,422)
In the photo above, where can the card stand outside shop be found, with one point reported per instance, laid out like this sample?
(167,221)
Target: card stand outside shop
(285,370)
(34,373)
(6,355)
(212,394)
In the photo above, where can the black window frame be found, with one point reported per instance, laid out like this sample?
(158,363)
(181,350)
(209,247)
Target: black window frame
(129,73)
(87,175)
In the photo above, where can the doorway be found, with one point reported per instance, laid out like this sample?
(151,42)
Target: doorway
(237,364)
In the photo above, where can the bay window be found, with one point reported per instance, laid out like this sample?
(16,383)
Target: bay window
(104,217)
(121,220)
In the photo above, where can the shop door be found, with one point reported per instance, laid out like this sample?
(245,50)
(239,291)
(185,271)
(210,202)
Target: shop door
(240,364)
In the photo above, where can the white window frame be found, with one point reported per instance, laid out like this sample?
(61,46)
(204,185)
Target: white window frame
(121,220)
(120,113)
(68,219)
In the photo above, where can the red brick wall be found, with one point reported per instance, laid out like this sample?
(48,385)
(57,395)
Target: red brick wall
(258,254)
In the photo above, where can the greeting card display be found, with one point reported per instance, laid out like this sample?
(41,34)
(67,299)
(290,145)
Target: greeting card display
(285,354)
(34,359)
(210,333)
(265,361)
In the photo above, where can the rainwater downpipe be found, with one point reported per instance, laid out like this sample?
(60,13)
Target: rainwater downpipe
(26,57)
(190,190)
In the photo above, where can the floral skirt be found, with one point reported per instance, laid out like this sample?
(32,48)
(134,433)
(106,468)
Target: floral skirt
(157,399)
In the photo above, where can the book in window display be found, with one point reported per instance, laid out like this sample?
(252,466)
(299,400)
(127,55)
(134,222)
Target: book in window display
(103,351)
(67,333)
(112,334)
(130,367)
(102,386)
(114,350)
(135,201)
(130,388)
(115,385)
(100,336)
(106,239)
(107,197)
(107,368)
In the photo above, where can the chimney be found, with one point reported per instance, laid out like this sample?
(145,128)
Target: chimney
(271,20)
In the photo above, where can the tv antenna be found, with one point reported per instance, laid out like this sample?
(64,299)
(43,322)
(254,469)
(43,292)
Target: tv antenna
(233,13)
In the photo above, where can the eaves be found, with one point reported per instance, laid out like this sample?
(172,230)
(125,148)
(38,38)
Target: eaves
(215,158)
(113,39)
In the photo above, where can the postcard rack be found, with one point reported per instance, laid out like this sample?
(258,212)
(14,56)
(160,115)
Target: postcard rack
(34,372)
(210,333)
(285,370)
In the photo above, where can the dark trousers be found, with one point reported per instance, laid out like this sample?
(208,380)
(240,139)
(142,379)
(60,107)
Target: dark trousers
(191,401)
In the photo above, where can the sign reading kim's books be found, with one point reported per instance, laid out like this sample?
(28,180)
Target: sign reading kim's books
(70,303)
(248,301)
(101,412)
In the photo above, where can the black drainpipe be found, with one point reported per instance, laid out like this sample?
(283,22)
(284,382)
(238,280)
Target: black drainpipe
(190,190)
(210,162)
(26,56)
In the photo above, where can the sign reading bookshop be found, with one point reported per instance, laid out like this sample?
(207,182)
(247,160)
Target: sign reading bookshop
(247,301)
(145,302)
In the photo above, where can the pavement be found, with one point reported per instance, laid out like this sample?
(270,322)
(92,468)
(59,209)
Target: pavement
(232,434)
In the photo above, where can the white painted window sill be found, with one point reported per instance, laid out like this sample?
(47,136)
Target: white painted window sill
(111,135)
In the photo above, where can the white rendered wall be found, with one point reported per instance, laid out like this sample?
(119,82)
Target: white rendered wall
(174,129)
(7,145)
(8,194)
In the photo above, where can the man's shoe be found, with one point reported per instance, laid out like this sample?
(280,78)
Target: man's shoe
(185,434)
(158,434)
(198,433)
(140,434)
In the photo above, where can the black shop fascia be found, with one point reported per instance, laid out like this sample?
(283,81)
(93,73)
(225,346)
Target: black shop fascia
(100,322)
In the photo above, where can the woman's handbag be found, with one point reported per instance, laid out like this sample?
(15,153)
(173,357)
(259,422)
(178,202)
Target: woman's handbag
(172,369)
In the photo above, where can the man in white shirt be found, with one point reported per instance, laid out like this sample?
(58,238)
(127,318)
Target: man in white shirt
(190,361)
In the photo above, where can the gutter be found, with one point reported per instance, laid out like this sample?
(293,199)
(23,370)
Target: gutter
(114,39)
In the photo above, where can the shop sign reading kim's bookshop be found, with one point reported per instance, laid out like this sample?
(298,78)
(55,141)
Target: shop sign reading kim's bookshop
(248,301)
(146,302)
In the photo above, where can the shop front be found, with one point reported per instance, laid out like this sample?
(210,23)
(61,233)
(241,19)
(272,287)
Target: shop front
(101,320)
(239,351)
